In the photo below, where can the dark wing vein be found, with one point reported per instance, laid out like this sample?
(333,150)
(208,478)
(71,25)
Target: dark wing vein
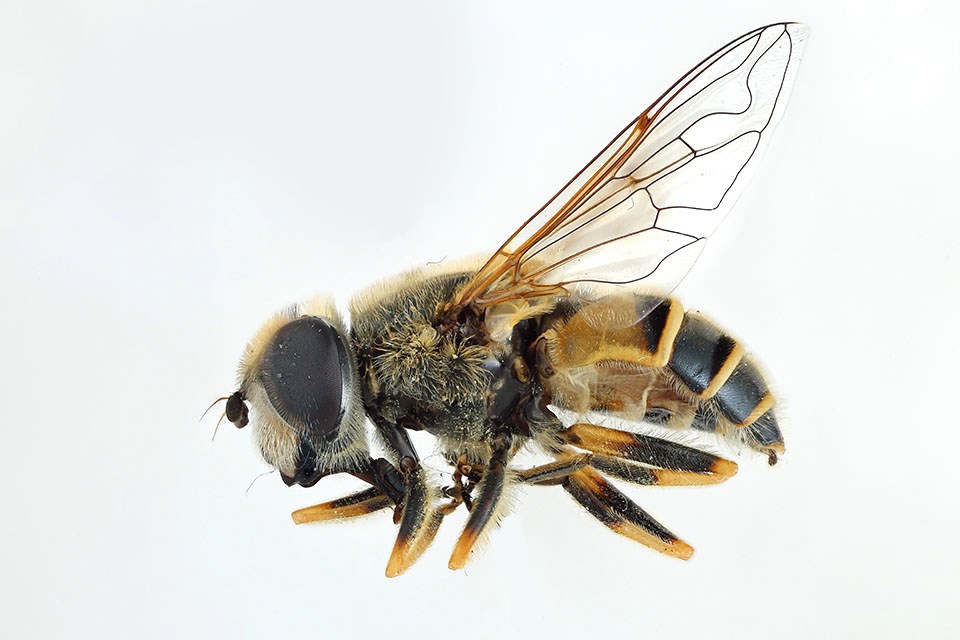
(639,212)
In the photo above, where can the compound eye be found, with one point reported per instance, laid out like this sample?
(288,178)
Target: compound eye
(304,371)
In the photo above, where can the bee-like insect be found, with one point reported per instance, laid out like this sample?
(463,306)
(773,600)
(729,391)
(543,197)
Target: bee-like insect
(570,316)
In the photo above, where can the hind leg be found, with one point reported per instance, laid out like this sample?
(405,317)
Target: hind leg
(555,472)
(635,458)
(622,515)
(661,462)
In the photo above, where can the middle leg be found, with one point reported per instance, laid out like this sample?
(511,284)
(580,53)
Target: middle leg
(485,505)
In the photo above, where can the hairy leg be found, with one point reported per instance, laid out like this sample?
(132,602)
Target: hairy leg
(662,462)
(485,504)
(620,514)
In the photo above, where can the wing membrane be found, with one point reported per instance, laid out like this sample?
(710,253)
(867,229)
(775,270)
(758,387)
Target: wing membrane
(639,213)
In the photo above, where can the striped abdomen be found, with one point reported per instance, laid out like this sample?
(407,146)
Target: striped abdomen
(678,368)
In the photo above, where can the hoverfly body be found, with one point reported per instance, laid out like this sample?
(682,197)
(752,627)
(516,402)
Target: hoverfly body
(571,315)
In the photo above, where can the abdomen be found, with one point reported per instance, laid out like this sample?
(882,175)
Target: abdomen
(665,366)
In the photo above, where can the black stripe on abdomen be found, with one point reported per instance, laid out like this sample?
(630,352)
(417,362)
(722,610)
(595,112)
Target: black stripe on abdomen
(700,351)
(742,393)
(654,320)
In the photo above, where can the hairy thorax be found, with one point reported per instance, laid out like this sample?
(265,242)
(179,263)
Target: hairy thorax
(412,373)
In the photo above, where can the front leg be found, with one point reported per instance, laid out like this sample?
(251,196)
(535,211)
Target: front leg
(403,486)
(387,490)
(419,515)
(354,505)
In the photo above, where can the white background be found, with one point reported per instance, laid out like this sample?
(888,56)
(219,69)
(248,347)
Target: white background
(173,172)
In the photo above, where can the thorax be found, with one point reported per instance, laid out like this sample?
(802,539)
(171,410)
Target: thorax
(412,374)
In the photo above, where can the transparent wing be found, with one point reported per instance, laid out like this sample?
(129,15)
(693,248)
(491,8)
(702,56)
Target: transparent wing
(639,213)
